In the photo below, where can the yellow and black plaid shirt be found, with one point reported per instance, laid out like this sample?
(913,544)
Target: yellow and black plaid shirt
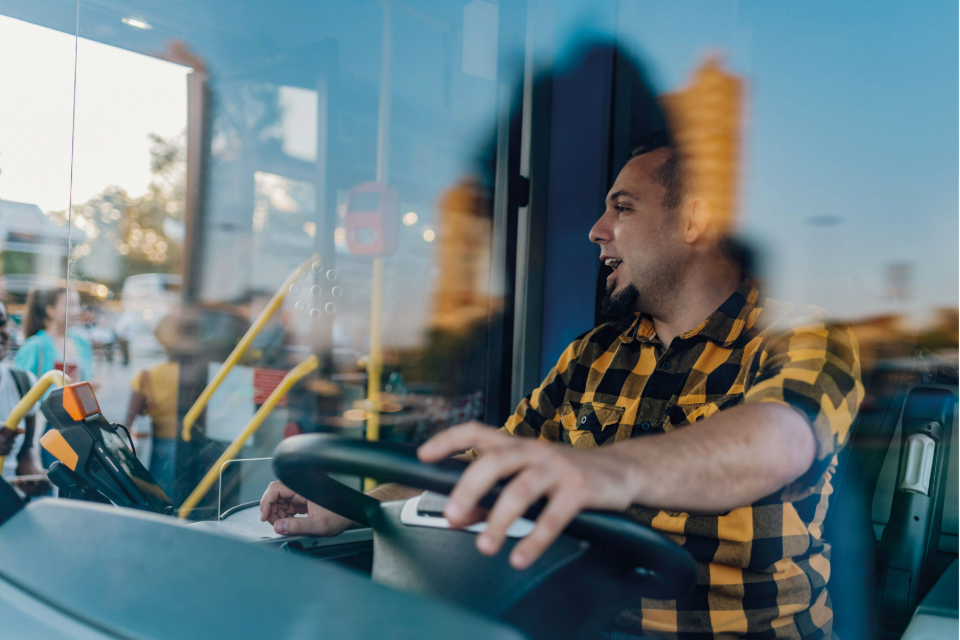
(763,568)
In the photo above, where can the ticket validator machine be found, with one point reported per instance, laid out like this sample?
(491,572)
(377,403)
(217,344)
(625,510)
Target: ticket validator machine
(93,461)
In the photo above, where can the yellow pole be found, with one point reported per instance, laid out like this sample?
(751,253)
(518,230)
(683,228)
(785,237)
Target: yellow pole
(375,361)
(299,371)
(242,346)
(30,398)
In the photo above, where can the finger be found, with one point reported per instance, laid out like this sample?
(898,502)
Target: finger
(454,440)
(479,478)
(270,497)
(516,498)
(289,510)
(552,521)
(276,494)
(275,514)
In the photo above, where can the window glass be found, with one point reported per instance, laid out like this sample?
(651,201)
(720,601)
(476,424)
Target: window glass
(299,167)
(317,179)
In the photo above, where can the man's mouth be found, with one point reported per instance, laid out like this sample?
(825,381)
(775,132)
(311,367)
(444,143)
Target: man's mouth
(614,264)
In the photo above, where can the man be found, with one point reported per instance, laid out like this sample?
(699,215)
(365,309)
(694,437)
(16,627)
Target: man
(16,445)
(707,412)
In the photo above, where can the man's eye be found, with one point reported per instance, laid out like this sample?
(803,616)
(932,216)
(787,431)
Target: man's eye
(621,208)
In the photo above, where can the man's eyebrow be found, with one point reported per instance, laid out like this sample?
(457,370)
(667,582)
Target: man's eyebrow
(617,194)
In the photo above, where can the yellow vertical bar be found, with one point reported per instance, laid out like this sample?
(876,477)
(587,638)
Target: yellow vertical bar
(375,361)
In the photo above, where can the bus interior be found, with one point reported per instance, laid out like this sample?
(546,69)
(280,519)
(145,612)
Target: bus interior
(336,229)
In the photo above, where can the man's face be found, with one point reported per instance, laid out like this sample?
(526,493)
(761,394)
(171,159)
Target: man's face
(639,239)
(4,331)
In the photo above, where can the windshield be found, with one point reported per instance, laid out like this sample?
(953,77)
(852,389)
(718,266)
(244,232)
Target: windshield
(405,190)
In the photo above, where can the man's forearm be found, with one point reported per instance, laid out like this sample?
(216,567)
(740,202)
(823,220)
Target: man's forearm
(727,461)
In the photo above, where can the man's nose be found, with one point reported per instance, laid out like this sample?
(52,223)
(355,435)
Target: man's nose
(600,233)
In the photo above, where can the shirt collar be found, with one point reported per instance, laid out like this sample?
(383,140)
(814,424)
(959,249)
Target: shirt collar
(723,326)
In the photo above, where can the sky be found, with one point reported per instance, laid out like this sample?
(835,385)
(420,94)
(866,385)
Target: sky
(850,114)
(121,98)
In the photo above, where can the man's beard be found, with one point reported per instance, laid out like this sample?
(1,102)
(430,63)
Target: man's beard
(617,306)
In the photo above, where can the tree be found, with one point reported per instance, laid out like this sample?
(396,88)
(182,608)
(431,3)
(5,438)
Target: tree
(121,235)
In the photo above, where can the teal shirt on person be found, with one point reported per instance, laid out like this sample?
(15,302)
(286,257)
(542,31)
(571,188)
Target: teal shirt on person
(38,354)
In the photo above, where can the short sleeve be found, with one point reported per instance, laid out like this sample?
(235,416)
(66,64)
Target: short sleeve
(135,381)
(814,368)
(536,415)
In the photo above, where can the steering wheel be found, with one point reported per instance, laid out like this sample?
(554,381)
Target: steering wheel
(303,463)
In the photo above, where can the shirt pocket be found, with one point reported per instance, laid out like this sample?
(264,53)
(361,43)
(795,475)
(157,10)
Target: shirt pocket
(589,424)
(686,413)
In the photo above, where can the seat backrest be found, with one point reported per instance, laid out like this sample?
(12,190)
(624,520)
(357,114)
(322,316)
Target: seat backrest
(949,541)
(848,527)
(918,532)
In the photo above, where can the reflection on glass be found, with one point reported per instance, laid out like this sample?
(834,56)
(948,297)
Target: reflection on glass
(212,162)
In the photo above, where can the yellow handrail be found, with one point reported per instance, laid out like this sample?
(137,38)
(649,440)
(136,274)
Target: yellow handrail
(299,371)
(242,346)
(375,361)
(31,398)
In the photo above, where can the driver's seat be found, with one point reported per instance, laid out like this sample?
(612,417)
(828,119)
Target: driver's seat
(868,601)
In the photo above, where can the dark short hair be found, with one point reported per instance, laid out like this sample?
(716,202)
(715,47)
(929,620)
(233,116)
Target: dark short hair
(669,175)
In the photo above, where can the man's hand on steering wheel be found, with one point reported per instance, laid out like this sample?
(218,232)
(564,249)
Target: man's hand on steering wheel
(279,505)
(571,480)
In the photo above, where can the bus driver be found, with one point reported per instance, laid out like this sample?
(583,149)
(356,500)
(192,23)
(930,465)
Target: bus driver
(706,411)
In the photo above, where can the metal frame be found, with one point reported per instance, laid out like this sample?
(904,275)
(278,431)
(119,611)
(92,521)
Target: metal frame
(532,218)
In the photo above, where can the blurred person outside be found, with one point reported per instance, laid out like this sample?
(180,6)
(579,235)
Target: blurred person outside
(155,395)
(123,330)
(16,445)
(704,409)
(51,343)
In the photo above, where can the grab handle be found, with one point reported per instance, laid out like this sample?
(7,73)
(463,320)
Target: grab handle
(190,419)
(31,398)
(292,377)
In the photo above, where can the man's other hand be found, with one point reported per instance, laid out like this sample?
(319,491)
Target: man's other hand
(279,505)
(571,480)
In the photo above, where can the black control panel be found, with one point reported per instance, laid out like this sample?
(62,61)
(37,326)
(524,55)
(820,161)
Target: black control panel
(94,461)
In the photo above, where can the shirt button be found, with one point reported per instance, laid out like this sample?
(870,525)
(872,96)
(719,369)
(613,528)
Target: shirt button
(645,426)
(665,364)
(583,420)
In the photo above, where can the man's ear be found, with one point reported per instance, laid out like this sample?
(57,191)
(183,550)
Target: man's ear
(697,220)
